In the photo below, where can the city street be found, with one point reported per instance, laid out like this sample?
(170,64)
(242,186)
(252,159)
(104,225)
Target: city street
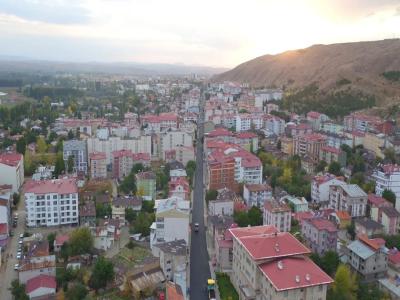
(199,260)
(7,272)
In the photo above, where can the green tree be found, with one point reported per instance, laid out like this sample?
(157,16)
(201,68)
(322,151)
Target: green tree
(70,135)
(143,222)
(50,238)
(21,145)
(389,196)
(128,184)
(16,198)
(77,292)
(148,206)
(139,167)
(241,218)
(70,164)
(321,166)
(345,285)
(130,215)
(330,262)
(18,290)
(60,165)
(334,168)
(80,241)
(370,292)
(103,210)
(41,145)
(29,166)
(279,145)
(255,216)
(390,155)
(351,230)
(103,273)
(211,195)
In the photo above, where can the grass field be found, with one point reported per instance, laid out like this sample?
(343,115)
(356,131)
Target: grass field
(225,287)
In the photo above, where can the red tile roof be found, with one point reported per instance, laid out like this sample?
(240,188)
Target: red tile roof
(174,291)
(97,155)
(160,118)
(293,273)
(239,232)
(122,153)
(246,135)
(390,168)
(322,224)
(394,256)
(219,132)
(258,187)
(331,149)
(274,245)
(378,201)
(11,159)
(141,156)
(61,239)
(57,186)
(40,281)
(313,115)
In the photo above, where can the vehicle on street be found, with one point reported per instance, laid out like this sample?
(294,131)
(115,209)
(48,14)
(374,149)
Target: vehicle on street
(20,242)
(196,227)
(211,289)
(16,267)
(21,236)
(19,256)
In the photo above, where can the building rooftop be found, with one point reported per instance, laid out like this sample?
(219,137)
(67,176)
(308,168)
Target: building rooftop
(294,273)
(146,175)
(10,159)
(258,187)
(41,281)
(390,211)
(369,224)
(377,201)
(88,209)
(56,186)
(177,247)
(322,224)
(127,201)
(276,206)
(97,155)
(360,249)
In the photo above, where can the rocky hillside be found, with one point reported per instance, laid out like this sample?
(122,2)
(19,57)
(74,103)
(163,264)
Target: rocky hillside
(360,66)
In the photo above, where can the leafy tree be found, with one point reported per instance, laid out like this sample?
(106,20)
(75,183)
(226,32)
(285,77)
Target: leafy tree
(60,165)
(18,290)
(16,198)
(370,292)
(130,215)
(70,164)
(279,145)
(190,169)
(138,168)
(103,210)
(103,273)
(334,168)
(77,292)
(390,155)
(80,241)
(148,206)
(357,178)
(143,222)
(255,216)
(241,218)
(41,145)
(351,230)
(330,262)
(345,285)
(29,166)
(211,195)
(21,145)
(50,238)
(70,135)
(321,166)
(389,196)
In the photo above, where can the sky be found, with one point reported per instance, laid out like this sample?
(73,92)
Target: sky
(220,33)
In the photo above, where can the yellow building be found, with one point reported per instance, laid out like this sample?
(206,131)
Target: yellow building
(374,143)
(287,145)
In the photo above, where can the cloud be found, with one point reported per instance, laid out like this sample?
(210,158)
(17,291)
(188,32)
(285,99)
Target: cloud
(48,11)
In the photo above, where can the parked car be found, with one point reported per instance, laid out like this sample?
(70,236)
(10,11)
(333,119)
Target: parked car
(16,267)
(21,236)
(19,255)
(196,227)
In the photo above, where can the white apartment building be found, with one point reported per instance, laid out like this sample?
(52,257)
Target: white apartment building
(348,197)
(256,194)
(51,202)
(245,122)
(172,139)
(172,221)
(248,167)
(274,124)
(12,170)
(320,187)
(277,214)
(387,177)
(141,144)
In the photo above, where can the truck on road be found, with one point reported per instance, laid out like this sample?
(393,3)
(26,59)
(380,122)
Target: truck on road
(211,289)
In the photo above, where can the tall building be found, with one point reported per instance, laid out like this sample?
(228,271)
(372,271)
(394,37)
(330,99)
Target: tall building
(277,214)
(98,165)
(309,145)
(78,151)
(51,202)
(387,177)
(348,197)
(12,170)
(122,163)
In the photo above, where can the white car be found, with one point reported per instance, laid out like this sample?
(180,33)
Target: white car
(21,236)
(16,267)
(20,242)
(19,255)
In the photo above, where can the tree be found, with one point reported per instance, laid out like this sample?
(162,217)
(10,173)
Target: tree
(60,165)
(211,195)
(70,164)
(345,285)
(321,166)
(370,292)
(103,272)
(351,230)
(390,155)
(143,222)
(41,145)
(80,241)
(148,206)
(128,184)
(77,292)
(103,210)
(241,218)
(190,169)
(16,198)
(138,168)
(50,238)
(279,145)
(255,216)
(330,262)
(389,196)
(21,145)
(28,164)
(334,168)
(18,290)
(70,134)
(130,215)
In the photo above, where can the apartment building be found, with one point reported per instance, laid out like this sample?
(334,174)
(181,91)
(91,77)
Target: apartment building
(277,214)
(274,265)
(12,170)
(78,151)
(256,194)
(172,221)
(360,122)
(387,177)
(161,122)
(320,187)
(368,258)
(122,163)
(320,235)
(274,124)
(221,172)
(348,197)
(170,140)
(98,165)
(309,145)
(51,202)
(246,122)
(330,154)
(315,119)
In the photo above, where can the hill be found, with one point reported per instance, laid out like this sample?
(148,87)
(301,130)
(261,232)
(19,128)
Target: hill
(370,67)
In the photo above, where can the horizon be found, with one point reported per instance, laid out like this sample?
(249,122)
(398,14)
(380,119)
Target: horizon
(217,35)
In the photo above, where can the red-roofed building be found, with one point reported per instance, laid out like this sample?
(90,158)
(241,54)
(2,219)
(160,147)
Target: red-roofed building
(98,165)
(315,119)
(122,163)
(41,286)
(394,258)
(273,265)
(161,122)
(59,241)
(179,187)
(330,154)
(12,170)
(277,214)
(309,145)
(320,235)
(57,199)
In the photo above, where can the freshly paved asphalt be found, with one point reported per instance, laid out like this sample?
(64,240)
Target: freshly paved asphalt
(199,260)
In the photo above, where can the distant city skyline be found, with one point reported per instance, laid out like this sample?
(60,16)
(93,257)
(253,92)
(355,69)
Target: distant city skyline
(210,33)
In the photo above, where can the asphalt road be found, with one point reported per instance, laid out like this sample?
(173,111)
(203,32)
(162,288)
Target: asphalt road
(199,260)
